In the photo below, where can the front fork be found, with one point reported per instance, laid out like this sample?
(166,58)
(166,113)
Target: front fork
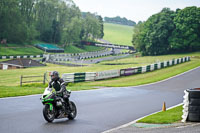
(50,105)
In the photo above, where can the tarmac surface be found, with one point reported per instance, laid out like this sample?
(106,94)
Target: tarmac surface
(174,128)
(98,110)
(97,60)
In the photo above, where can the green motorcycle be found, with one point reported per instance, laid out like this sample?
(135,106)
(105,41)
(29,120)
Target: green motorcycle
(55,107)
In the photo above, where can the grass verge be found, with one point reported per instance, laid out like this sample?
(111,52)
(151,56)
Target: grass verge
(167,117)
(10,79)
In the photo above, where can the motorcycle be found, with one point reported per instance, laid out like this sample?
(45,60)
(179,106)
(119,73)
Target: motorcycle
(55,107)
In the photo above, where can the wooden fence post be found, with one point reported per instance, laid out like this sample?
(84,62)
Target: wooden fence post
(21,80)
(44,78)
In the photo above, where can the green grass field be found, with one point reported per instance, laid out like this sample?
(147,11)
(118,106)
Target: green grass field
(84,48)
(118,34)
(167,117)
(14,49)
(20,51)
(10,79)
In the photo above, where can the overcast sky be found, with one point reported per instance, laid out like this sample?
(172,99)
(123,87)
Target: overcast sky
(135,10)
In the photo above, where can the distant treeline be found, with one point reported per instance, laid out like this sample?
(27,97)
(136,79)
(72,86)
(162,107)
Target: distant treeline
(53,21)
(119,20)
(169,32)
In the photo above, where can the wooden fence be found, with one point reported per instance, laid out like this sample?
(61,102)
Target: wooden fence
(42,80)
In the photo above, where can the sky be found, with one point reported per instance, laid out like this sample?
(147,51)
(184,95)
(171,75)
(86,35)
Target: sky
(136,10)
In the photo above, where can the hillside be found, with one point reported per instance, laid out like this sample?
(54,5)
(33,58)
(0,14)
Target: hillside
(119,20)
(31,50)
(118,34)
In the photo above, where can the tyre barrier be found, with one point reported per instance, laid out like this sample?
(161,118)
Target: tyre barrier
(191,107)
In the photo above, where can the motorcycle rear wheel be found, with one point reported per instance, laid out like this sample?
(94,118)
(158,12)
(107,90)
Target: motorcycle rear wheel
(48,114)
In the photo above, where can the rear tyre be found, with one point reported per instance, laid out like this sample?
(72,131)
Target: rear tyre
(48,114)
(73,111)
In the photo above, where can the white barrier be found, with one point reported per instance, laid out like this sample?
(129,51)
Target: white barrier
(159,65)
(90,76)
(144,69)
(68,77)
(152,67)
(175,61)
(185,106)
(165,63)
(170,62)
(107,74)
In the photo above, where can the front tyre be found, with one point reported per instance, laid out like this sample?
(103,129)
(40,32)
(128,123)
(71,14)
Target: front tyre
(73,111)
(48,114)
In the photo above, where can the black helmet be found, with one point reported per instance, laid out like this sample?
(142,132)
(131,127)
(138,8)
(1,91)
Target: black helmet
(54,75)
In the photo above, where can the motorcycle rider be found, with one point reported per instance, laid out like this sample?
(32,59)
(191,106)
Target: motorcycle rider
(60,86)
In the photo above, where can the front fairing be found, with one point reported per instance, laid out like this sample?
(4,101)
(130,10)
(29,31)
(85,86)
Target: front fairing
(48,95)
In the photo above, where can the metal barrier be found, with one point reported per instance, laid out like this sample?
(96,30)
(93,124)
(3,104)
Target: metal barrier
(21,56)
(79,77)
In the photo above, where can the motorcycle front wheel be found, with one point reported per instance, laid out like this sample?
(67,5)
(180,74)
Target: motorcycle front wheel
(73,111)
(48,114)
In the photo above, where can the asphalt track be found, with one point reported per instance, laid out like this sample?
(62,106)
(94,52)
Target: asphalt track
(98,110)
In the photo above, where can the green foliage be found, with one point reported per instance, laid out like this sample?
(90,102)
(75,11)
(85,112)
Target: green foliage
(92,26)
(186,35)
(169,32)
(170,116)
(12,26)
(101,26)
(52,21)
(151,38)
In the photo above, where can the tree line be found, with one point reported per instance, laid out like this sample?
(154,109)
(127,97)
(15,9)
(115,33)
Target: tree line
(51,21)
(119,20)
(169,32)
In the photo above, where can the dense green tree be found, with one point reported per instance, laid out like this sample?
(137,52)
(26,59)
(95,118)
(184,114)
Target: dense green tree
(46,16)
(153,37)
(101,26)
(12,26)
(53,21)
(186,35)
(92,27)
(138,37)
(71,24)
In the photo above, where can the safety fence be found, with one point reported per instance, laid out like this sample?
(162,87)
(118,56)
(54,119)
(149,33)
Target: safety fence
(81,56)
(108,45)
(21,56)
(92,76)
